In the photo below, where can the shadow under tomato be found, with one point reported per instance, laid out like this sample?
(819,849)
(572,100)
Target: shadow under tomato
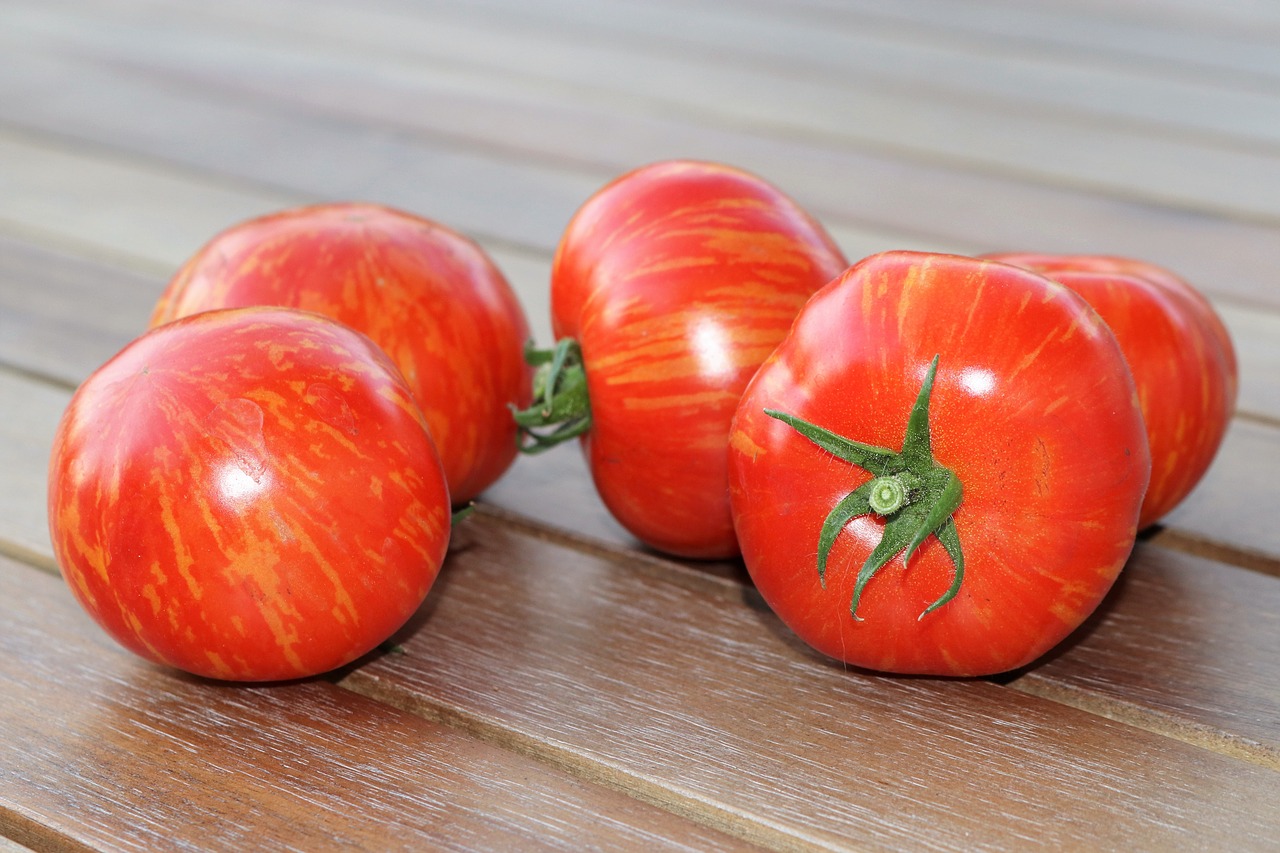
(1085,630)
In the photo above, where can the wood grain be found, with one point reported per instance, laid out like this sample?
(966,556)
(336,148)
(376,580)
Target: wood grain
(565,687)
(593,663)
(1193,667)
(101,750)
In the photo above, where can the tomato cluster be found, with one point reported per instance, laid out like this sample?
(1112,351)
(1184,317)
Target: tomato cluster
(928,463)
(259,487)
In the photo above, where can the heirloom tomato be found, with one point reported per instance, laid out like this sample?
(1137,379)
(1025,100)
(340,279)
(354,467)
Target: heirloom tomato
(248,494)
(430,297)
(1179,352)
(669,287)
(939,470)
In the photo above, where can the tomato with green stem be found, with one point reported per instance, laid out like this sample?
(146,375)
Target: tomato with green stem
(1179,352)
(940,469)
(669,287)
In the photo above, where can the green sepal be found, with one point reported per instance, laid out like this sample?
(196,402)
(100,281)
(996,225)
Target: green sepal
(865,456)
(853,505)
(934,493)
(561,407)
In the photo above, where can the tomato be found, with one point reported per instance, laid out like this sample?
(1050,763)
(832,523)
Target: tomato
(671,285)
(973,417)
(248,494)
(1180,354)
(431,298)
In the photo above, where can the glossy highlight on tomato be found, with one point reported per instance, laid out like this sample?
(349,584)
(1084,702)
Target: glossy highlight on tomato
(938,366)
(430,297)
(1181,356)
(674,282)
(248,494)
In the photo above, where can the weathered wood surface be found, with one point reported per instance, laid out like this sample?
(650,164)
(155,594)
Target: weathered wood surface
(101,749)
(564,687)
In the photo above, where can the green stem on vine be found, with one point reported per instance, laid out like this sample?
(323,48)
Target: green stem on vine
(561,409)
(913,493)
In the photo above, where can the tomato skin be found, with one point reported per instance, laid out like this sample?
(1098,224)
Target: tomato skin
(1181,356)
(1033,408)
(678,279)
(249,495)
(430,297)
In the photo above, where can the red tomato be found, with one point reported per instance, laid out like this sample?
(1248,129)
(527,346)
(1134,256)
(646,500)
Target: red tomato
(677,280)
(1018,469)
(428,296)
(249,495)
(1180,354)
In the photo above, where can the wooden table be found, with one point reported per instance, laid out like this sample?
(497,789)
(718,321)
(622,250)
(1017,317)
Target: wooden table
(563,687)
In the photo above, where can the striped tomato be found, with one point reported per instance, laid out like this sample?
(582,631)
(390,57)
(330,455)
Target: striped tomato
(248,494)
(669,287)
(1181,356)
(940,470)
(430,297)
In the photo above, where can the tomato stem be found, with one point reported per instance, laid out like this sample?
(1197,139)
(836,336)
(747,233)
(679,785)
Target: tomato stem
(888,495)
(913,493)
(561,409)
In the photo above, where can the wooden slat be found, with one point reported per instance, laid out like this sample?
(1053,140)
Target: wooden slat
(1194,666)
(588,661)
(911,64)
(1205,42)
(31,412)
(102,750)
(62,316)
(1254,331)
(918,205)
(1237,495)
(1134,163)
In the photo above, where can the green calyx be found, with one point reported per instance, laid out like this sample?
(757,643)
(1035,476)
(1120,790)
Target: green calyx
(913,493)
(561,409)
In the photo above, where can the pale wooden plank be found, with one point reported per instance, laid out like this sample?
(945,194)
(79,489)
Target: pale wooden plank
(1190,667)
(118,206)
(590,661)
(1241,52)
(31,412)
(102,750)
(1246,19)
(51,194)
(1237,494)
(1254,331)
(911,63)
(1140,164)
(62,316)
(885,203)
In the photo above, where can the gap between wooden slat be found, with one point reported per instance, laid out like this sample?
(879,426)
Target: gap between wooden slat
(27,835)
(1221,552)
(1150,720)
(594,771)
